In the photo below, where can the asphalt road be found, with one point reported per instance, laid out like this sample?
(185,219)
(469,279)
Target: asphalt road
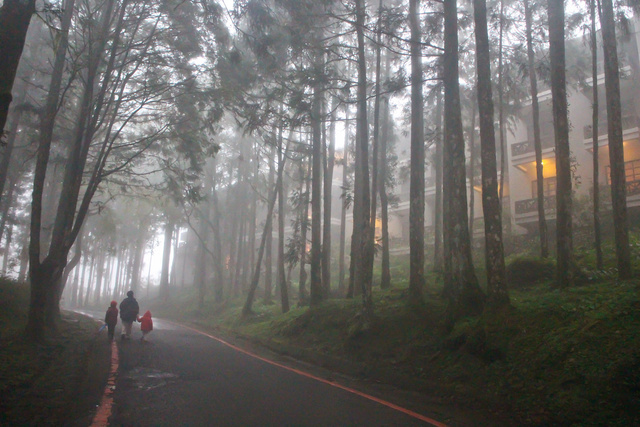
(182,378)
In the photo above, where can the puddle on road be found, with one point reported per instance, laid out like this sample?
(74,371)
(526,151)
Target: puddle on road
(147,379)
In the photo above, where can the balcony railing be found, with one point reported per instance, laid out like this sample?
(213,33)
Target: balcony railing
(531,205)
(527,147)
(633,188)
(628,122)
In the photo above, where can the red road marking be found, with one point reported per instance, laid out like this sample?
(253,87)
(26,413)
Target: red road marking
(322,380)
(101,419)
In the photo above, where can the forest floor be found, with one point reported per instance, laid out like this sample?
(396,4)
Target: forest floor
(556,357)
(56,382)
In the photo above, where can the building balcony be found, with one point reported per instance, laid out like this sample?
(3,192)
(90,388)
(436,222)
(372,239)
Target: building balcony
(629,127)
(525,150)
(528,206)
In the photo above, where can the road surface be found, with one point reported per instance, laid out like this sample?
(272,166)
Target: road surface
(180,377)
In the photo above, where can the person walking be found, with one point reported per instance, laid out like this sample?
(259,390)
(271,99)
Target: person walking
(146,324)
(111,319)
(128,313)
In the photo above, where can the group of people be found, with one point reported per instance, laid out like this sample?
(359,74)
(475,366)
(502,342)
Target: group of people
(129,310)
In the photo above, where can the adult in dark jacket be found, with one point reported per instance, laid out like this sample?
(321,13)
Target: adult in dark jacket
(128,313)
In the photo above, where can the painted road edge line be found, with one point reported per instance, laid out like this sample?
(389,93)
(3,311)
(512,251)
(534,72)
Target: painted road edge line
(322,380)
(101,419)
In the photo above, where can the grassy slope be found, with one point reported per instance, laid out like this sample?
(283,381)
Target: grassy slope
(565,357)
(40,383)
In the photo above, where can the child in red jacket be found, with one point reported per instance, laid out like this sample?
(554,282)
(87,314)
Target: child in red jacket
(146,324)
(111,318)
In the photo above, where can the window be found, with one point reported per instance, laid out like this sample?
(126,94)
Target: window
(549,185)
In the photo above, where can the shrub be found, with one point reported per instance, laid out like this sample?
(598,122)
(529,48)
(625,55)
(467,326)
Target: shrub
(523,270)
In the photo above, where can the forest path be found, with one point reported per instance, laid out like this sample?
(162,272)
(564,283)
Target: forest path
(183,377)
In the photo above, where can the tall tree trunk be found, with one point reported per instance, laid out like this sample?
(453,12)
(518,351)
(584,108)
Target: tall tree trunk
(537,143)
(268,257)
(166,258)
(376,152)
(304,225)
(385,274)
(563,152)
(315,284)
(328,192)
(282,280)
(73,262)
(137,260)
(439,161)
(7,249)
(217,234)
(37,269)
(343,212)
(6,206)
(472,170)
(76,284)
(173,275)
(504,169)
(253,217)
(238,285)
(15,16)
(201,267)
(362,197)
(616,149)
(497,295)
(8,148)
(595,138)
(465,296)
(416,190)
(92,264)
(24,262)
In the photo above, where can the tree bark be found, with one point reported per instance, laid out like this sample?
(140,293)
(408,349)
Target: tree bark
(328,192)
(268,268)
(315,284)
(595,138)
(616,149)
(561,128)
(472,169)
(282,280)
(437,246)
(8,149)
(385,274)
(465,296)
(537,143)
(497,295)
(376,152)
(218,285)
(15,16)
(37,269)
(416,190)
(304,225)
(362,196)
(166,258)
(343,212)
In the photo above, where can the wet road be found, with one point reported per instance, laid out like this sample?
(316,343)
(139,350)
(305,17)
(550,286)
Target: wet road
(183,378)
